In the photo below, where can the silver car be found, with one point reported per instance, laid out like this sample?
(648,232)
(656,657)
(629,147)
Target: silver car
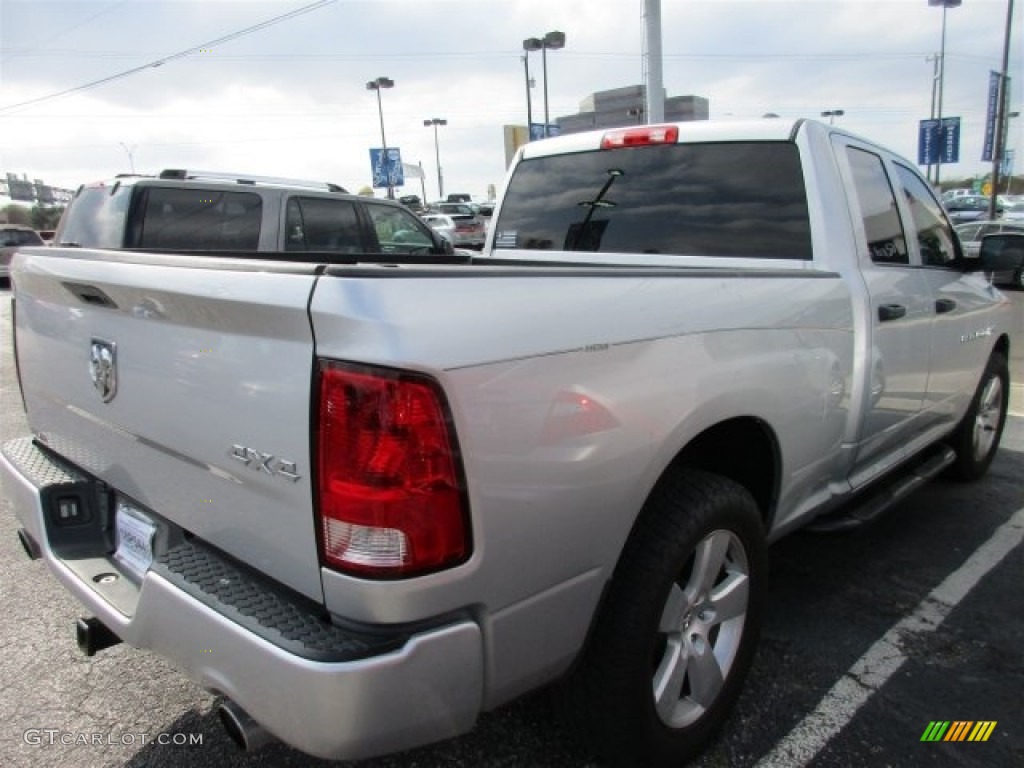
(970,234)
(12,237)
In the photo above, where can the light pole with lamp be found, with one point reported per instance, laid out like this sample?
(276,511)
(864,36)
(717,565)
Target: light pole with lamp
(832,114)
(377,85)
(999,143)
(554,41)
(530,44)
(436,121)
(942,77)
(130,153)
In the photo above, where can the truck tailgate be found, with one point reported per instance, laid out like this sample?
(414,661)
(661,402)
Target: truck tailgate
(185,386)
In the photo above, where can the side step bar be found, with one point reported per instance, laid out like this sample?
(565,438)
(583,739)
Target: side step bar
(879,499)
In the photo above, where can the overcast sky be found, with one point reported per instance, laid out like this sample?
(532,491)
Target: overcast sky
(290,99)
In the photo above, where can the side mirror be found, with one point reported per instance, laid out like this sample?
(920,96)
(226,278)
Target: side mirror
(1001,253)
(443,244)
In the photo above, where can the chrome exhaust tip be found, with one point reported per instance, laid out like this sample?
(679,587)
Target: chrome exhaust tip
(241,728)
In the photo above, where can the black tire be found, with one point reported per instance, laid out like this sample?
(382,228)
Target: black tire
(976,439)
(659,615)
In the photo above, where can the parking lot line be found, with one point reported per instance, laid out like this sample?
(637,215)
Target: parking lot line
(870,672)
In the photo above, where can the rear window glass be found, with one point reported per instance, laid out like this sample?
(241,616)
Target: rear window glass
(197,220)
(95,218)
(725,199)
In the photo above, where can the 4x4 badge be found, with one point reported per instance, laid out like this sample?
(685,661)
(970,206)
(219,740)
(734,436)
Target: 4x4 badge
(103,368)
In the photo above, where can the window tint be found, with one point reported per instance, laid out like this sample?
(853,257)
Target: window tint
(934,234)
(398,231)
(726,199)
(198,220)
(29,237)
(882,226)
(96,217)
(316,224)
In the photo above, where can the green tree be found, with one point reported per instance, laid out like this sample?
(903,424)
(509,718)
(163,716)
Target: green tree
(16,214)
(46,217)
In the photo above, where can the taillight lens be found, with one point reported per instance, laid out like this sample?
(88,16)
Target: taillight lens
(391,498)
(639,137)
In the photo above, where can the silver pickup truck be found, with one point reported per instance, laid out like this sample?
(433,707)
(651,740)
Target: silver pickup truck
(366,501)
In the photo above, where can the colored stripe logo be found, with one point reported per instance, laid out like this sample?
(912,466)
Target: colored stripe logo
(958,730)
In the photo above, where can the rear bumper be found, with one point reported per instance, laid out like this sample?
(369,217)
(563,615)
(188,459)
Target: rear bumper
(333,692)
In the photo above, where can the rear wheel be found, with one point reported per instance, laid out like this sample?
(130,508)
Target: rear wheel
(977,437)
(679,626)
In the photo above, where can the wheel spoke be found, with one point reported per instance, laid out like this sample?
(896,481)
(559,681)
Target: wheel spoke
(730,598)
(704,672)
(669,679)
(675,608)
(707,563)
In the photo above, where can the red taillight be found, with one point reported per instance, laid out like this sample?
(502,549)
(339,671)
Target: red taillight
(639,137)
(391,500)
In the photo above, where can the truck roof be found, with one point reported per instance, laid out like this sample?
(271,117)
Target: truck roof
(775,129)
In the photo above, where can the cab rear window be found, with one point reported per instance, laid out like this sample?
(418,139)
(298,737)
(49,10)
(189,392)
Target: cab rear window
(736,199)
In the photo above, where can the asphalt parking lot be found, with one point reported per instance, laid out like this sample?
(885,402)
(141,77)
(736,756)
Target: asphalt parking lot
(871,636)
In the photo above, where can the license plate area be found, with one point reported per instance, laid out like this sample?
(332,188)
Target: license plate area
(134,535)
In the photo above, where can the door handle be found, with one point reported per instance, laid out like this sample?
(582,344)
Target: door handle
(891,312)
(944,305)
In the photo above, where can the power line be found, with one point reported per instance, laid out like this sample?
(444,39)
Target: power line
(173,57)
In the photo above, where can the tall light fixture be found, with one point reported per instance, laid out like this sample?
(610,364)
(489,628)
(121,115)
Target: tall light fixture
(942,78)
(530,44)
(377,85)
(832,114)
(131,154)
(555,41)
(436,121)
(999,143)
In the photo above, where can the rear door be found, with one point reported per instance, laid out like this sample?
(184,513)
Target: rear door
(900,316)
(184,384)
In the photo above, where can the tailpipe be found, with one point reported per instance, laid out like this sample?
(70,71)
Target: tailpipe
(93,636)
(242,729)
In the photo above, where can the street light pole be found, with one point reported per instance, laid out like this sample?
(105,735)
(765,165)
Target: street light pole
(942,80)
(1001,118)
(555,41)
(377,85)
(529,44)
(832,114)
(436,121)
(130,153)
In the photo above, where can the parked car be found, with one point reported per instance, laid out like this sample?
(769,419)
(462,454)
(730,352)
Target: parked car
(951,194)
(442,224)
(470,231)
(1013,207)
(12,237)
(971,234)
(968,208)
(1008,248)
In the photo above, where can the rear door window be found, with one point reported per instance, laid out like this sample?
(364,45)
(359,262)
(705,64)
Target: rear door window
(735,199)
(882,225)
(317,224)
(197,220)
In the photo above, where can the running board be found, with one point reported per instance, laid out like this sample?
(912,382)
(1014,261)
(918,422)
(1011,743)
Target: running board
(879,499)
